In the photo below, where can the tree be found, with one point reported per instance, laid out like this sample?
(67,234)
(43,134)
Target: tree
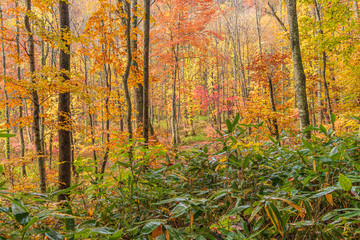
(64,118)
(7,109)
(299,74)
(35,99)
(146,120)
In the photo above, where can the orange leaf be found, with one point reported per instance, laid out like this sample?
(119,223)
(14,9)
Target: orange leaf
(157,232)
(191,219)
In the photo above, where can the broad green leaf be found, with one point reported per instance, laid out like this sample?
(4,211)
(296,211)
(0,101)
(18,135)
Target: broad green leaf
(307,144)
(30,223)
(256,210)
(103,230)
(174,233)
(53,235)
(150,227)
(20,212)
(237,210)
(229,125)
(333,118)
(345,183)
(324,191)
(68,190)
(123,164)
(6,135)
(117,235)
(178,199)
(246,162)
(236,120)
(179,210)
(322,129)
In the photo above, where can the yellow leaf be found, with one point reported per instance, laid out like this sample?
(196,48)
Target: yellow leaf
(300,209)
(314,165)
(191,219)
(329,196)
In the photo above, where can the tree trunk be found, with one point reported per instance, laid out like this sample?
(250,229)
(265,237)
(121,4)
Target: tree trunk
(7,108)
(127,21)
(64,105)
(146,121)
(299,74)
(356,10)
(21,110)
(273,108)
(139,90)
(324,59)
(35,99)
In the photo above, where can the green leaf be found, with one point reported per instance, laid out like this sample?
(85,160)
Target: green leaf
(4,134)
(52,235)
(179,210)
(117,235)
(324,191)
(20,212)
(178,199)
(53,194)
(322,129)
(333,118)
(150,227)
(307,144)
(229,125)
(86,224)
(246,162)
(236,120)
(30,223)
(123,164)
(345,183)
(103,230)
(237,210)
(174,233)
(255,212)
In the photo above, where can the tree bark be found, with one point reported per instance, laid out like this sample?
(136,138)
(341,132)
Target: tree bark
(324,61)
(7,108)
(146,122)
(299,74)
(356,10)
(64,105)
(21,110)
(139,90)
(35,99)
(127,21)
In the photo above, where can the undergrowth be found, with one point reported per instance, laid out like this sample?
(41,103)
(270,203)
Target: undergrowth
(286,188)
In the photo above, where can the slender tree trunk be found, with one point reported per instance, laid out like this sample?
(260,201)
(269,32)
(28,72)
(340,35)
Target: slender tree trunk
(35,99)
(356,10)
(146,122)
(258,23)
(324,60)
(21,110)
(173,112)
(127,21)
(64,116)
(91,117)
(273,107)
(7,108)
(299,73)
(139,90)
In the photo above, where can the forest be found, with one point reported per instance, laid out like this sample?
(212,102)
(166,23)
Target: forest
(179,119)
